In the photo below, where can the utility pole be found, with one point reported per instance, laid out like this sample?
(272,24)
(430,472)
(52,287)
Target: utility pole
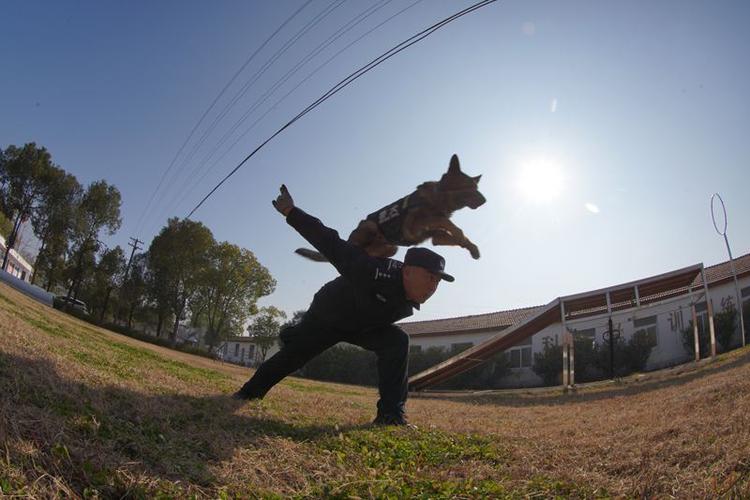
(134,242)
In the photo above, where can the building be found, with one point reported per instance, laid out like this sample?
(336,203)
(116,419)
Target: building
(661,306)
(17,265)
(243,351)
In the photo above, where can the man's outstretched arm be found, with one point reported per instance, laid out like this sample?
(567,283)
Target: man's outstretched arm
(349,260)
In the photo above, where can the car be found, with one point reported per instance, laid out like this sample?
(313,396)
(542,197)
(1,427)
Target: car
(63,303)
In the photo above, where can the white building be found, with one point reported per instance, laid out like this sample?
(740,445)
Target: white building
(244,351)
(662,306)
(17,265)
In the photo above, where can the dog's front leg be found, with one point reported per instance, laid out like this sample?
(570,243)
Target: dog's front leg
(444,232)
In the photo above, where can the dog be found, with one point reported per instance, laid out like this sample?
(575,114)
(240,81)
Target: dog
(421,215)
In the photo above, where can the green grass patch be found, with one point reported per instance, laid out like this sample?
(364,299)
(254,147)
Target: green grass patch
(406,449)
(322,388)
(409,486)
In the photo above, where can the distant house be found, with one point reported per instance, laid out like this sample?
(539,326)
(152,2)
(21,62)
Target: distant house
(17,265)
(243,351)
(662,306)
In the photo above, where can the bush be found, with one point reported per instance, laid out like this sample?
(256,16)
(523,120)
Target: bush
(688,340)
(353,365)
(603,357)
(124,330)
(725,323)
(638,350)
(548,364)
(592,360)
(347,364)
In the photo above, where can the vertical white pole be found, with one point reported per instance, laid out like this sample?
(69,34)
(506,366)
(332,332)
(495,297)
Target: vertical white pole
(695,333)
(564,338)
(710,309)
(572,360)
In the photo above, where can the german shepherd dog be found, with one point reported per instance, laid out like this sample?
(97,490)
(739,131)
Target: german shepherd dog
(423,214)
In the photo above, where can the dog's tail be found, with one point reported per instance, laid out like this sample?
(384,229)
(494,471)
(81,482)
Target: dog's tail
(311,254)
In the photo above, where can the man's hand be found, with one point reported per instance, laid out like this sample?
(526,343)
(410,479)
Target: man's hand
(284,202)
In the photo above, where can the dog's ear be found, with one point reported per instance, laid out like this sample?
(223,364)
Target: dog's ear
(476,179)
(455,166)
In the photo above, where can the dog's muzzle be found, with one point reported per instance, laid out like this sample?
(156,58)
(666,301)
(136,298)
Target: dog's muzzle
(476,200)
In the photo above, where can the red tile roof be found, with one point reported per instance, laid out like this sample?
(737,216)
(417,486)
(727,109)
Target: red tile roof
(465,324)
(723,271)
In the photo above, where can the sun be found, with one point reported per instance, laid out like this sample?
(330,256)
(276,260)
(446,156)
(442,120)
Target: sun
(540,179)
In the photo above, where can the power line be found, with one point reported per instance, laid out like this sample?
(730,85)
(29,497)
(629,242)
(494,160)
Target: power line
(216,99)
(333,5)
(311,55)
(348,80)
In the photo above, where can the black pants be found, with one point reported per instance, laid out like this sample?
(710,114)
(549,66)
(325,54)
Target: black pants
(310,337)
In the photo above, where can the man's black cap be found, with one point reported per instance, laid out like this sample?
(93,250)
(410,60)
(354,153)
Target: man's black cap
(426,258)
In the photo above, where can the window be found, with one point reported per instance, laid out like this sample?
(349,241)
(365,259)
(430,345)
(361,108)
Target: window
(648,326)
(242,357)
(415,348)
(236,349)
(520,357)
(587,334)
(745,292)
(250,350)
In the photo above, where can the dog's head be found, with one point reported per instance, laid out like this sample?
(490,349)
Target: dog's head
(463,189)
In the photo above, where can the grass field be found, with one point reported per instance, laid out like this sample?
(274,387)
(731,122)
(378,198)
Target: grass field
(89,413)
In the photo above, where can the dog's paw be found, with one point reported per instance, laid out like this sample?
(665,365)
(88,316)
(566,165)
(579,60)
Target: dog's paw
(474,251)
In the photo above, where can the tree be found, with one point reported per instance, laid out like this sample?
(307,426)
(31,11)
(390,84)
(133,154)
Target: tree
(53,220)
(99,209)
(231,285)
(264,330)
(134,289)
(6,226)
(178,260)
(296,318)
(21,171)
(107,274)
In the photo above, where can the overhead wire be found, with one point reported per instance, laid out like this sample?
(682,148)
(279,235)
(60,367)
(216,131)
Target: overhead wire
(332,6)
(211,106)
(352,23)
(346,82)
(197,181)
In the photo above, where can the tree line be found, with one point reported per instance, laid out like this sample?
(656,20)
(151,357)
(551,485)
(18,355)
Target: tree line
(184,277)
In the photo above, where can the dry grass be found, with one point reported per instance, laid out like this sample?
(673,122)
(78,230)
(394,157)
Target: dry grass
(87,413)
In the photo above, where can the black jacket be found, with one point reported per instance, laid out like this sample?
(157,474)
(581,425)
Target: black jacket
(370,291)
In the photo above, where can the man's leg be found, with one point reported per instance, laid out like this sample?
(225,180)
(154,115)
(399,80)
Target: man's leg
(391,345)
(301,343)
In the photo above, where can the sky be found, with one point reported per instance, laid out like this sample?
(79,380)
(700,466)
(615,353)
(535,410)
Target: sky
(600,129)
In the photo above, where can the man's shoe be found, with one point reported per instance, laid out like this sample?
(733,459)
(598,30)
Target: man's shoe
(241,396)
(389,419)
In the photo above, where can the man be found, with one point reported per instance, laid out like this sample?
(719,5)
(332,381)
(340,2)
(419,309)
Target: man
(358,307)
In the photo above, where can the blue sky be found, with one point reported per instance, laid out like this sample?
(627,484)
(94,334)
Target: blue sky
(601,129)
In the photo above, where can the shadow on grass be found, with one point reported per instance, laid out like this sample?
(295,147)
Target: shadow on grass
(87,436)
(596,394)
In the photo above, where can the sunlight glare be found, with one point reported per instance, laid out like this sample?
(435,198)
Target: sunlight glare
(541,179)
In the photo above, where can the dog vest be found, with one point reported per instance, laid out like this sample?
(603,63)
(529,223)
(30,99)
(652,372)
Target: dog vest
(390,219)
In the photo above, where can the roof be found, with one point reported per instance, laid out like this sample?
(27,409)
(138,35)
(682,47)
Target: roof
(722,272)
(466,324)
